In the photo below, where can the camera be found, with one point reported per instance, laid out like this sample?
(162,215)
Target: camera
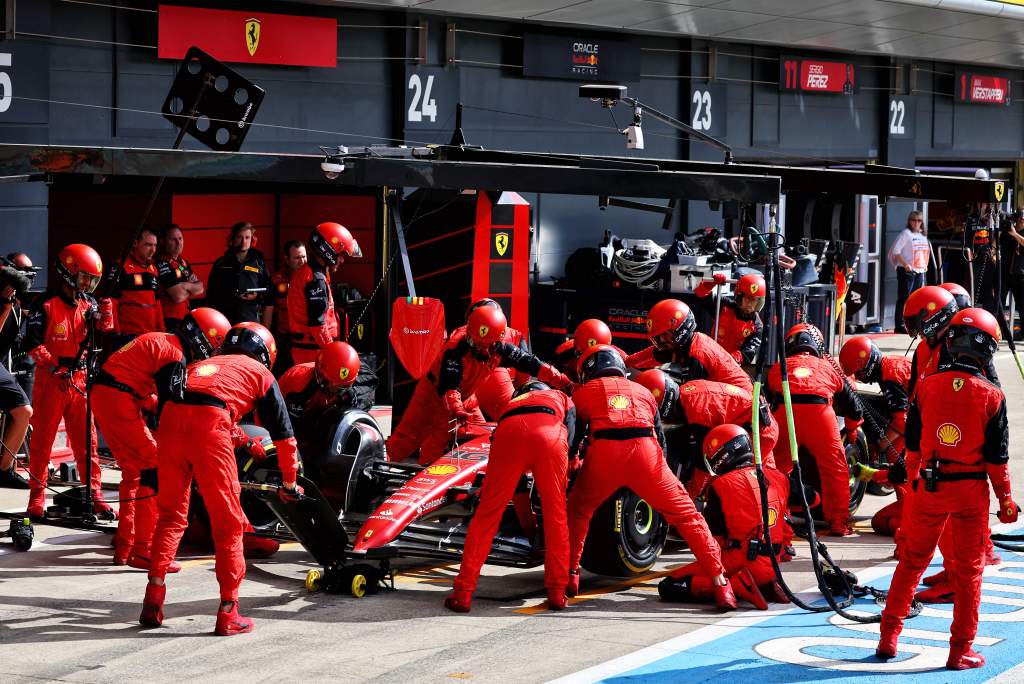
(332,169)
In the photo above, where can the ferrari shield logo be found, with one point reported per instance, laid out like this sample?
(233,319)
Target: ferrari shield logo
(359,331)
(344,373)
(958,384)
(252,35)
(999,190)
(501,243)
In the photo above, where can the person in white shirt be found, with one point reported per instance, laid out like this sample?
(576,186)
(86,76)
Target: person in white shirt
(909,255)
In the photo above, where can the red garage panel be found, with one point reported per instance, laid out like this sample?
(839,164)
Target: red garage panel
(206,221)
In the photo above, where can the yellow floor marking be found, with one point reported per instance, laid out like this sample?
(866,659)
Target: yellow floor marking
(618,586)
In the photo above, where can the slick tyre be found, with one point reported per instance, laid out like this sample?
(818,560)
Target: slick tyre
(626,537)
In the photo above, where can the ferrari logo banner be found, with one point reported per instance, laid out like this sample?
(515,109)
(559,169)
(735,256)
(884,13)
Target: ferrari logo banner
(501,243)
(252,35)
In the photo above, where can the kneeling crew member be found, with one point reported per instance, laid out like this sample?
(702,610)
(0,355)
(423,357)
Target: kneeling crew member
(957,440)
(466,360)
(816,385)
(733,512)
(140,377)
(195,440)
(740,330)
(625,441)
(533,435)
(309,389)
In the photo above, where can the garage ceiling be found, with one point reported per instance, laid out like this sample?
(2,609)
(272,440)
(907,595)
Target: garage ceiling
(978,31)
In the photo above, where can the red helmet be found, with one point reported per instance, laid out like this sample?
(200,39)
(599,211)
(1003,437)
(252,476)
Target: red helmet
(590,333)
(753,285)
(486,301)
(928,311)
(601,361)
(861,358)
(663,387)
(80,267)
(337,365)
(973,333)
(726,448)
(960,294)
(670,323)
(253,340)
(202,332)
(331,240)
(804,337)
(486,327)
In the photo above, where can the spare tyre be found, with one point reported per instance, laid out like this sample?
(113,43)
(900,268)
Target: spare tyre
(626,536)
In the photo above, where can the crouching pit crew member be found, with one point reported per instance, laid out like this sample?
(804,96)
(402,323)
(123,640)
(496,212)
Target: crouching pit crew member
(57,326)
(957,441)
(625,441)
(195,440)
(533,435)
(139,378)
(467,359)
(733,512)
(309,389)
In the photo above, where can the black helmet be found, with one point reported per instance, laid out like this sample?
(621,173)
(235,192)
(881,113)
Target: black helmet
(252,340)
(727,448)
(804,337)
(531,386)
(973,333)
(601,361)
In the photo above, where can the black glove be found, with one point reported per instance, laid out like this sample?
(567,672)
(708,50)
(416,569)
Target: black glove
(898,472)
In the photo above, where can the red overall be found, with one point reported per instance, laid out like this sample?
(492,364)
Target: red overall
(56,328)
(426,423)
(137,309)
(281,282)
(151,364)
(311,316)
(734,503)
(957,421)
(814,384)
(707,404)
(194,441)
(624,451)
(705,359)
(895,380)
(532,436)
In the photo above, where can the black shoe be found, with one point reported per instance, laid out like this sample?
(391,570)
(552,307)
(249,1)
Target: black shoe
(10,479)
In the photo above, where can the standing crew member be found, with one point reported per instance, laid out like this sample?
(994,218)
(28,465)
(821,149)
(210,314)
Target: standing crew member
(465,361)
(137,308)
(311,314)
(816,386)
(140,377)
(533,435)
(625,442)
(178,282)
(57,327)
(309,389)
(239,280)
(740,330)
(294,258)
(195,441)
(733,512)
(672,330)
(957,440)
(15,279)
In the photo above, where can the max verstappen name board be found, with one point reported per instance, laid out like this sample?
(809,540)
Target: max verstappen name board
(807,75)
(248,37)
(982,88)
(578,57)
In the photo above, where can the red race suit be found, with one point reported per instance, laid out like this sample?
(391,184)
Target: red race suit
(311,315)
(956,428)
(703,359)
(195,441)
(533,435)
(494,393)
(625,450)
(137,309)
(139,376)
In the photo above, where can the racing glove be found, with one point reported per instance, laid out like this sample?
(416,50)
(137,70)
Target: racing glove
(290,494)
(149,405)
(105,315)
(865,473)
(706,287)
(898,472)
(43,358)
(1008,510)
(456,409)
(323,336)
(999,475)
(552,376)
(287,458)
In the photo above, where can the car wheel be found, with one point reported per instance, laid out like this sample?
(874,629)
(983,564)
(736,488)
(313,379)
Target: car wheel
(626,536)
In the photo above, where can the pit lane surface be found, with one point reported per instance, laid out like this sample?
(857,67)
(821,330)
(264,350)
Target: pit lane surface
(67,614)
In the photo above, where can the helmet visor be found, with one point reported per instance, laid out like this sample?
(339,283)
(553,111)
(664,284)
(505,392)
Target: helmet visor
(355,251)
(87,282)
(664,341)
(750,304)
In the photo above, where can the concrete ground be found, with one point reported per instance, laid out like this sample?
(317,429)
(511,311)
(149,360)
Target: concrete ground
(67,614)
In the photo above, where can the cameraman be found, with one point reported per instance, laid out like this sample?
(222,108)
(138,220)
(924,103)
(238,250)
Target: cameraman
(16,276)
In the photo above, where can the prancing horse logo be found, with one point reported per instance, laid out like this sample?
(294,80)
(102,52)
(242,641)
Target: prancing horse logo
(501,243)
(252,35)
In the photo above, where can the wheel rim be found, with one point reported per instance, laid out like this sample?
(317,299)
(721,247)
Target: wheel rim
(639,532)
(359,586)
(643,517)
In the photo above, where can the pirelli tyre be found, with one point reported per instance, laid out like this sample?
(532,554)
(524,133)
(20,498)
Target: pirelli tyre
(855,453)
(626,537)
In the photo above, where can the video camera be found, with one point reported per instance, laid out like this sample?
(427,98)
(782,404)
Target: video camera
(12,275)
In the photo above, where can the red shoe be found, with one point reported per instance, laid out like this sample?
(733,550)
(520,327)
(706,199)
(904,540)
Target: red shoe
(143,563)
(556,599)
(964,658)
(460,601)
(153,605)
(121,555)
(940,593)
(36,504)
(725,599)
(258,547)
(103,510)
(230,623)
(889,635)
(744,587)
(840,528)
(773,592)
(991,558)
(937,578)
(572,587)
